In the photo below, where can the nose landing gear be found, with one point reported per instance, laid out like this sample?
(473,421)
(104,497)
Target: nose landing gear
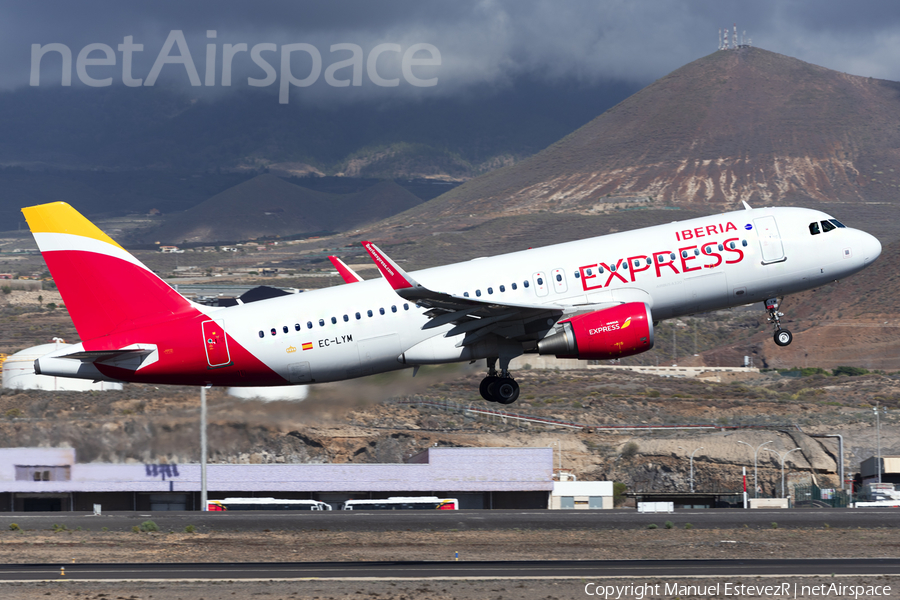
(501,388)
(783,337)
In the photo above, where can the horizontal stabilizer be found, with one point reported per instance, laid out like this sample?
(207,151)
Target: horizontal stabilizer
(101,355)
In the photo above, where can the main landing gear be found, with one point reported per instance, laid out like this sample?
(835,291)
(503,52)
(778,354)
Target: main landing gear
(783,337)
(501,388)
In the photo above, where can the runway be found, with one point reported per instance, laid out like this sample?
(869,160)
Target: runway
(394,571)
(464,520)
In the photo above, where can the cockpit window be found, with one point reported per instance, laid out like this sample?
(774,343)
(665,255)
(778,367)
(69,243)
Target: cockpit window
(827,226)
(814,228)
(838,223)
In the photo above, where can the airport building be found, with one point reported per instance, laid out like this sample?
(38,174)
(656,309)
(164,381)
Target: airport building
(50,479)
(887,466)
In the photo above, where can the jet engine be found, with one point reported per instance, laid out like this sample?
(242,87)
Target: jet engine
(614,332)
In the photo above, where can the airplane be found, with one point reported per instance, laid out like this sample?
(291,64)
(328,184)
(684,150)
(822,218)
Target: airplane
(592,299)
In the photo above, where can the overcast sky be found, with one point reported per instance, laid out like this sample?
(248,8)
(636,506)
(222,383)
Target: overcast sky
(481,44)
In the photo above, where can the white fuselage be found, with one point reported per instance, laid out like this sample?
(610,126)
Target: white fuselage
(676,269)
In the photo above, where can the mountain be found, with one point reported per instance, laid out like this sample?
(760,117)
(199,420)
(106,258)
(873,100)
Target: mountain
(743,124)
(267,205)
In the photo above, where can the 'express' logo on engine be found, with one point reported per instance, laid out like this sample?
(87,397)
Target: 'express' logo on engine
(604,329)
(611,326)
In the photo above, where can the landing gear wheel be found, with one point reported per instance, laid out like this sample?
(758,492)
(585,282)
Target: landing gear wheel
(783,337)
(484,388)
(505,391)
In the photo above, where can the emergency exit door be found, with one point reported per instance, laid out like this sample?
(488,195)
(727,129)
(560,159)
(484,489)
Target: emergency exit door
(216,343)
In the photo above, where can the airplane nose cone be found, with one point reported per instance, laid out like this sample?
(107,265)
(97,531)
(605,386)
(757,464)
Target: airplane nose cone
(872,248)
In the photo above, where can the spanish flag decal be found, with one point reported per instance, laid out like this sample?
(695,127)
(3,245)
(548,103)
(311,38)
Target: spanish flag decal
(307,345)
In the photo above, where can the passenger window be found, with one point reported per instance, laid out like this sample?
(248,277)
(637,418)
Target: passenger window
(394,308)
(381,311)
(696,252)
(358,317)
(490,290)
(625,266)
(346,318)
(525,283)
(297,327)
(600,270)
(744,243)
(273,331)
(502,288)
(321,322)
(478,293)
(649,262)
(540,281)
(827,226)
(262,333)
(838,223)
(514,287)
(721,248)
(588,272)
(814,228)
(334,320)
(672,256)
(732,245)
(285,329)
(684,254)
(466,294)
(405,306)
(577,275)
(309,324)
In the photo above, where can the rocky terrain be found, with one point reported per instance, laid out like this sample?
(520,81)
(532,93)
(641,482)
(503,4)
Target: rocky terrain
(391,417)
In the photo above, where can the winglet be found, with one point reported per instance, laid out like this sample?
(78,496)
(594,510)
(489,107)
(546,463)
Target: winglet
(397,277)
(346,273)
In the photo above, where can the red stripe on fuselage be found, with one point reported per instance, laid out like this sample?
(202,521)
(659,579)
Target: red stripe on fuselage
(182,357)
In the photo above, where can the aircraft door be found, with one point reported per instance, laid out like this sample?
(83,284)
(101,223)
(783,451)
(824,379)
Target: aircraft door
(541,286)
(769,240)
(299,372)
(216,343)
(558,276)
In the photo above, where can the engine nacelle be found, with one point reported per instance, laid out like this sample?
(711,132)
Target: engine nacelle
(609,333)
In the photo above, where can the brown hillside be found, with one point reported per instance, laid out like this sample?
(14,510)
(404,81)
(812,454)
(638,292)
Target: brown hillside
(377,202)
(736,125)
(268,206)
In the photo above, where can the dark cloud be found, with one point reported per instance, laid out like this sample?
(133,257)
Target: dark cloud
(483,44)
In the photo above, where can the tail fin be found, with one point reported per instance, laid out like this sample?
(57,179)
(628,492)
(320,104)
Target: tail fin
(103,286)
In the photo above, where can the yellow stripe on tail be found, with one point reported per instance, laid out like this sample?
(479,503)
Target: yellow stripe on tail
(59,217)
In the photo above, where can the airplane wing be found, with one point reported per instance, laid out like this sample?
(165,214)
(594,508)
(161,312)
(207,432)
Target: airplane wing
(473,317)
(346,273)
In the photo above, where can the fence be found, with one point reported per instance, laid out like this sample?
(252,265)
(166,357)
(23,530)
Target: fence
(813,496)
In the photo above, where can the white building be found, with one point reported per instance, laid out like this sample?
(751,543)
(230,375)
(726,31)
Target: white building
(582,495)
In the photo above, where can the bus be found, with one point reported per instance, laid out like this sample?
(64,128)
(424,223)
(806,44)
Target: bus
(401,503)
(231,504)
